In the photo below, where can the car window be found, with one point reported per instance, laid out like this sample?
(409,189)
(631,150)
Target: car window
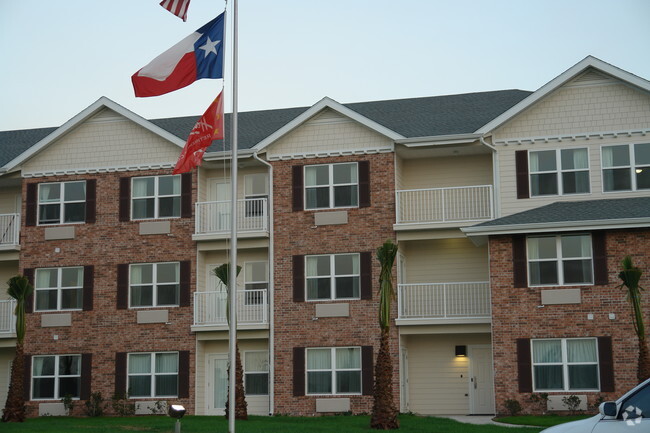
(637,405)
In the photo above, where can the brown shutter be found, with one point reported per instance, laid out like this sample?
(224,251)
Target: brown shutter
(297,187)
(122,286)
(184,374)
(598,244)
(31,204)
(27,377)
(364,183)
(89,273)
(120,373)
(91,201)
(29,301)
(298,371)
(125,199)
(186,195)
(367,376)
(524,366)
(366,275)
(86,375)
(606,364)
(298,278)
(521,168)
(520,265)
(186,276)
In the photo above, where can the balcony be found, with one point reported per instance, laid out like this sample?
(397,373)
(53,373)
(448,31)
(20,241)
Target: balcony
(7,319)
(467,302)
(213,217)
(9,231)
(210,310)
(454,206)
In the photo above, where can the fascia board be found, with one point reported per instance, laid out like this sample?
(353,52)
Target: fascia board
(561,226)
(222,155)
(438,140)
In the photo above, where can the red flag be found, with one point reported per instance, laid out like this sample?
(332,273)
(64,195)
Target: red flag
(177,7)
(208,128)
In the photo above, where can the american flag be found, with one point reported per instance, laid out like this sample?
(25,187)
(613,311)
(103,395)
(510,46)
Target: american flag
(177,7)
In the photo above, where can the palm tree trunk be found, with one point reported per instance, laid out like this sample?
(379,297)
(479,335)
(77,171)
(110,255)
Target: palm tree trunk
(384,413)
(14,410)
(643,371)
(241,407)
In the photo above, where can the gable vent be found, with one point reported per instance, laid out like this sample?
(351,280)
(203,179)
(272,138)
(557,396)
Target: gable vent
(592,77)
(328,117)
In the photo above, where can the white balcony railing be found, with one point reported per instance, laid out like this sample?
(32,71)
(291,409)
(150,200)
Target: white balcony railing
(444,300)
(214,216)
(442,205)
(7,317)
(9,229)
(210,307)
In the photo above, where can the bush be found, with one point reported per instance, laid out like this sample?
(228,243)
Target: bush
(541,401)
(121,405)
(68,403)
(572,403)
(513,407)
(95,404)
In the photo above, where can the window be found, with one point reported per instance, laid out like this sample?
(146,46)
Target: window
(59,288)
(256,194)
(62,202)
(626,167)
(153,374)
(154,284)
(560,260)
(331,186)
(334,370)
(572,177)
(333,276)
(54,377)
(566,364)
(256,372)
(256,281)
(156,197)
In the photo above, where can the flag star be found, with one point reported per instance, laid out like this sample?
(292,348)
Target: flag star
(209,47)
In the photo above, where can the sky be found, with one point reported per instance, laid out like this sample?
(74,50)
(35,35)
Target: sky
(59,57)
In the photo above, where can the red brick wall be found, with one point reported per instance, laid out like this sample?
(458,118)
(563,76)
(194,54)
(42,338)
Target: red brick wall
(516,314)
(295,233)
(106,330)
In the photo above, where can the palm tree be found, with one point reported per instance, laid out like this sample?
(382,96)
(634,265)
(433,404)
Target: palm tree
(384,412)
(19,289)
(241,407)
(630,275)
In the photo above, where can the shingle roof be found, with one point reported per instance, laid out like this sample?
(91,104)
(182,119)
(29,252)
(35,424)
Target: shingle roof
(13,143)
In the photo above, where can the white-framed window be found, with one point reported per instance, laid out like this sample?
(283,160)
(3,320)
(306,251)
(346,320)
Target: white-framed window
(57,289)
(153,374)
(559,172)
(156,197)
(334,370)
(256,279)
(333,276)
(55,376)
(256,372)
(256,192)
(565,364)
(154,284)
(62,202)
(626,167)
(331,186)
(560,260)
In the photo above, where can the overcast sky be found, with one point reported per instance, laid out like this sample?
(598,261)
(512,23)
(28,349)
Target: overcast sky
(58,57)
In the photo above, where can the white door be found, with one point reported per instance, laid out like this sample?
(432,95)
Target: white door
(404,385)
(481,386)
(220,192)
(217,381)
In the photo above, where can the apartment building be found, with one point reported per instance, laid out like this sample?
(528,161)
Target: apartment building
(512,210)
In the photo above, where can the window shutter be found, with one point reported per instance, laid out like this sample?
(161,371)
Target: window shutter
(125,198)
(27,377)
(364,183)
(184,374)
(89,273)
(367,376)
(122,286)
(599,246)
(29,302)
(91,200)
(86,375)
(298,371)
(186,195)
(521,168)
(366,275)
(299,278)
(520,266)
(524,365)
(31,204)
(120,373)
(606,360)
(297,175)
(186,277)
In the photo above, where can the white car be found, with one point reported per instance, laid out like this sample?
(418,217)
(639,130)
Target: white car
(629,414)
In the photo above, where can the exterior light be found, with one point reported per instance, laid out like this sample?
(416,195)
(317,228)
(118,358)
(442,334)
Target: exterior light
(176,411)
(461,351)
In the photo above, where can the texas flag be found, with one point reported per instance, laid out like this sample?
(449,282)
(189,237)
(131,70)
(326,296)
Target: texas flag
(200,55)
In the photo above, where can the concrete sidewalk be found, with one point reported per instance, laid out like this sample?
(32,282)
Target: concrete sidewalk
(477,419)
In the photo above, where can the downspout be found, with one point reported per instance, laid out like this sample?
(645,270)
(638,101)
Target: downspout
(495,177)
(270,290)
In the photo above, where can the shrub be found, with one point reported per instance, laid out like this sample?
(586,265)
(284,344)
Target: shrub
(68,403)
(95,404)
(121,405)
(572,403)
(540,400)
(513,407)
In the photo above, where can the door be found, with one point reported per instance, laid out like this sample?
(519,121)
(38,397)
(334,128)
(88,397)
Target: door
(481,386)
(404,383)
(217,381)
(220,192)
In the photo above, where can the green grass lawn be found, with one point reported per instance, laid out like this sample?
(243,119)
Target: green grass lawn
(256,424)
(542,420)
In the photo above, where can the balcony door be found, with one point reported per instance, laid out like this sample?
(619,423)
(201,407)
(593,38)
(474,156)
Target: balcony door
(217,383)
(219,191)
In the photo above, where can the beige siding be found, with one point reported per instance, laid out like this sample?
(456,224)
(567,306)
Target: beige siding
(446,172)
(8,269)
(6,357)
(208,177)
(10,200)
(206,261)
(399,172)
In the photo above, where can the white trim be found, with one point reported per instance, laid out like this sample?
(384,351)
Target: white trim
(325,154)
(73,171)
(571,137)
